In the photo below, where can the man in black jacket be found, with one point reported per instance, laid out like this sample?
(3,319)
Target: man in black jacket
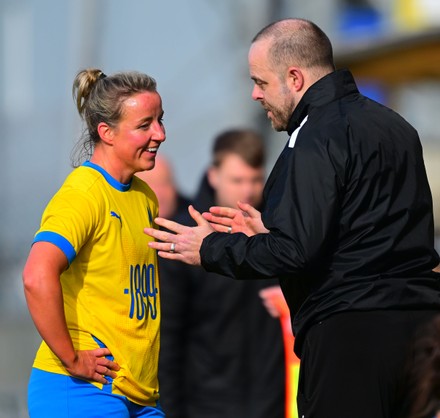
(222,354)
(347,227)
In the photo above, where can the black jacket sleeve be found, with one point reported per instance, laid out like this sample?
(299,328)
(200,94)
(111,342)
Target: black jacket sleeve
(301,212)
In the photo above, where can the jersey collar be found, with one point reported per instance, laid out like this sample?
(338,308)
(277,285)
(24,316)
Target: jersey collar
(122,187)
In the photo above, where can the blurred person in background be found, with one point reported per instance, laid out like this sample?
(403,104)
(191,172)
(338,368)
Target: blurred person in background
(161,180)
(91,288)
(346,226)
(424,372)
(221,352)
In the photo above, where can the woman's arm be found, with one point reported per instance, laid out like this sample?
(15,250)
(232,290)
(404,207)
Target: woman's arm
(44,296)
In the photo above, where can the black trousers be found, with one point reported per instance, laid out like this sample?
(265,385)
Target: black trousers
(353,365)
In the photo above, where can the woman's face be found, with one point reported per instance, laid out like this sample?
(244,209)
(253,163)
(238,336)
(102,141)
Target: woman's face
(139,133)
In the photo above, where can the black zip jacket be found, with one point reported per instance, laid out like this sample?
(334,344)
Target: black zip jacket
(349,211)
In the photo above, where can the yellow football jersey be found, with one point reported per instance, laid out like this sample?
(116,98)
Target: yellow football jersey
(111,287)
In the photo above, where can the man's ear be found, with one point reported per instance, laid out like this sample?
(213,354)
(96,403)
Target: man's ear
(295,78)
(213,177)
(105,132)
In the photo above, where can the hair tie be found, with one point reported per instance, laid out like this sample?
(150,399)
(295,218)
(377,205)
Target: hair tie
(101,76)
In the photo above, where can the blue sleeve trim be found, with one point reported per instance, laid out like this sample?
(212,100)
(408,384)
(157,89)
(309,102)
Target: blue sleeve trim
(65,246)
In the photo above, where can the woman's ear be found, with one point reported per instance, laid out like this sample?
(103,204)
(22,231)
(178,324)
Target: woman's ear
(105,132)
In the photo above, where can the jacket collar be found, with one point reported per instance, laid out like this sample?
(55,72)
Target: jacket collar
(331,87)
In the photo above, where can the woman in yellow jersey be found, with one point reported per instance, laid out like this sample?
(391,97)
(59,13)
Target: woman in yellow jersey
(91,285)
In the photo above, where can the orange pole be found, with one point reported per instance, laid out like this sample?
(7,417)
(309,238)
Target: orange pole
(292,367)
(277,306)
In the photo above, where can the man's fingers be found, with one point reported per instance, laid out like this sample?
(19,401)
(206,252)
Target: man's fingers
(197,216)
(223,211)
(221,220)
(168,255)
(247,208)
(161,246)
(170,225)
(160,235)
(207,216)
(219,228)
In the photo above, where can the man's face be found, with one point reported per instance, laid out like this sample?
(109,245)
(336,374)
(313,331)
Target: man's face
(234,180)
(270,88)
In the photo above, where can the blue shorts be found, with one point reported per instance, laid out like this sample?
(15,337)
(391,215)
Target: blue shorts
(52,395)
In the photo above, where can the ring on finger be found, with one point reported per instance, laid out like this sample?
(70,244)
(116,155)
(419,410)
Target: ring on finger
(173,247)
(229,230)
